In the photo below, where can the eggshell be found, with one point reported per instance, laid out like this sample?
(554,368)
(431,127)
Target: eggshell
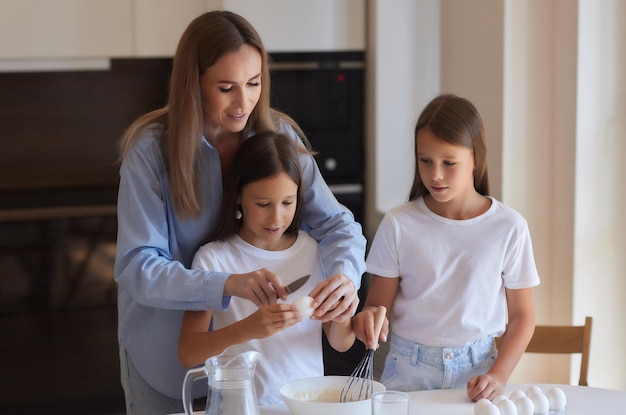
(525,406)
(479,404)
(542,406)
(304,306)
(533,390)
(507,407)
(556,398)
(498,399)
(490,409)
(516,394)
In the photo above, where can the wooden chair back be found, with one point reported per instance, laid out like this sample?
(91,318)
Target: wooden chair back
(564,339)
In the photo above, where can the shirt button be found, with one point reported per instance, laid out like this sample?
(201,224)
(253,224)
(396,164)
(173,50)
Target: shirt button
(449,355)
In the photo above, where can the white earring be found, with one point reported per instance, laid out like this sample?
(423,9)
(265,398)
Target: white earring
(238,214)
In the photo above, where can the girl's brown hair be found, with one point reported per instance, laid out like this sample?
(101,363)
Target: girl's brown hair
(261,156)
(456,121)
(207,38)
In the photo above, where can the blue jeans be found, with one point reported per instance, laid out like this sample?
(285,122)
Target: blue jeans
(411,366)
(141,398)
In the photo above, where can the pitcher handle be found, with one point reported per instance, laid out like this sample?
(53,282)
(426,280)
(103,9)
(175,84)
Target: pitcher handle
(191,376)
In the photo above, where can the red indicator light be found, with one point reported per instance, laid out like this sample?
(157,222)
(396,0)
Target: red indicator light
(341,77)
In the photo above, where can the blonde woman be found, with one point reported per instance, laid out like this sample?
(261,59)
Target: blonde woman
(173,163)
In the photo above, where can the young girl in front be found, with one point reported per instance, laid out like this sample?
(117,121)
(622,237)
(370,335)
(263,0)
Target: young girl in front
(259,228)
(451,264)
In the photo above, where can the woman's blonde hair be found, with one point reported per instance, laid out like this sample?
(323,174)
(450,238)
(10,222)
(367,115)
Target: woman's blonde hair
(207,38)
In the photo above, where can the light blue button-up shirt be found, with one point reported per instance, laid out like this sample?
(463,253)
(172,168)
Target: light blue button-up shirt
(155,249)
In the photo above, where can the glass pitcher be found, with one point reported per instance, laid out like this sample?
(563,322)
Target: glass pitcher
(230,383)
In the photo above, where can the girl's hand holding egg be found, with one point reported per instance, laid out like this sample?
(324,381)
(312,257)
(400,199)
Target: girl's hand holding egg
(304,306)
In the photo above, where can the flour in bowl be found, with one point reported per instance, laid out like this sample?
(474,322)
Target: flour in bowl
(324,395)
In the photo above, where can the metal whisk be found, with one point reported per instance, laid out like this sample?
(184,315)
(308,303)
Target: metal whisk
(360,383)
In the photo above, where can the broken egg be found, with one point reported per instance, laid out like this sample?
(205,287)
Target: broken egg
(304,306)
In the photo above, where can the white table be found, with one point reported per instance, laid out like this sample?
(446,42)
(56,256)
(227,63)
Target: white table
(581,400)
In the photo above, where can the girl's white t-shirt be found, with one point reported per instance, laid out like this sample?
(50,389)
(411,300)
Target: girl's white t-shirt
(453,273)
(293,353)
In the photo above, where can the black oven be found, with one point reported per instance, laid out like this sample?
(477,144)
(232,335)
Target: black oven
(323,92)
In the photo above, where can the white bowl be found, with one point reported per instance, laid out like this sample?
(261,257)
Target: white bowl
(305,396)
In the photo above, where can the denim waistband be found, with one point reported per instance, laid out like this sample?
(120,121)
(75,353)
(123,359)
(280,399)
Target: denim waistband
(472,352)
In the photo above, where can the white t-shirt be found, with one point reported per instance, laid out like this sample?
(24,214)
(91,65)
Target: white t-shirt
(452,272)
(290,354)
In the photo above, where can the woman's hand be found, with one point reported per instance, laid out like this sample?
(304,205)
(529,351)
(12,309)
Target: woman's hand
(262,287)
(271,319)
(335,298)
(363,327)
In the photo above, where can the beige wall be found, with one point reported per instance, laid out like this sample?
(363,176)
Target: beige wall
(472,66)
(538,154)
(403,72)
(600,185)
